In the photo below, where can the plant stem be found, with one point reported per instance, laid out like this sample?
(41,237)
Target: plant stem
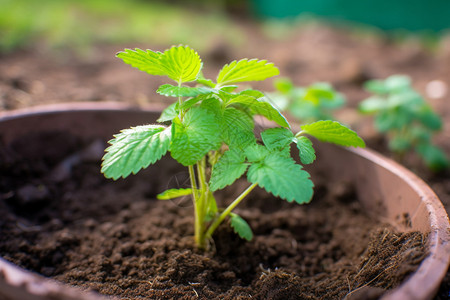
(180,101)
(198,223)
(227,211)
(204,189)
(299,133)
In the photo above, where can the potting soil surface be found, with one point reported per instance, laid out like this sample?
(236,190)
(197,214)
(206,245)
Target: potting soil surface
(75,226)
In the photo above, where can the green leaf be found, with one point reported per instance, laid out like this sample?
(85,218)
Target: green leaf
(206,82)
(256,153)
(284,85)
(306,111)
(182,91)
(185,105)
(169,113)
(419,134)
(254,93)
(400,144)
(372,105)
(246,70)
(211,207)
(385,121)
(134,149)
(392,84)
(429,118)
(282,177)
(277,138)
(433,156)
(214,106)
(237,128)
(333,132)
(306,150)
(260,107)
(241,227)
(376,86)
(280,101)
(396,83)
(389,120)
(230,167)
(173,193)
(228,88)
(226,97)
(181,64)
(195,136)
(315,94)
(147,61)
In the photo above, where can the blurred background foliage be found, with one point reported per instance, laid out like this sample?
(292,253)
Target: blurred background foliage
(66,23)
(80,24)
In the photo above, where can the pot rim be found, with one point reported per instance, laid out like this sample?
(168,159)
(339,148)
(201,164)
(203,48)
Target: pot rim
(77,106)
(434,266)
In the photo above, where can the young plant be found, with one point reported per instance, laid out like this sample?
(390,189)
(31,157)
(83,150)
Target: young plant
(307,104)
(406,118)
(209,129)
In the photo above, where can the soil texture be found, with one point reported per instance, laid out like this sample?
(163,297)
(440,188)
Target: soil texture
(61,218)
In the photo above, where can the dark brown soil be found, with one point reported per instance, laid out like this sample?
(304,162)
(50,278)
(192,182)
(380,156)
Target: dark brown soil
(64,220)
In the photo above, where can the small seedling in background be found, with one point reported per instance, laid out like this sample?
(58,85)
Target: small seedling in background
(209,128)
(307,104)
(406,118)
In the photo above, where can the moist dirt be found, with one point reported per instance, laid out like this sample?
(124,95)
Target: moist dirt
(61,218)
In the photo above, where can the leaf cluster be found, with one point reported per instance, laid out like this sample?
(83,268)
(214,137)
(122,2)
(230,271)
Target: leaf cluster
(406,118)
(210,128)
(307,104)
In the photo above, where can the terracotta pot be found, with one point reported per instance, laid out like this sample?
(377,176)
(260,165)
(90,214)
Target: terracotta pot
(388,191)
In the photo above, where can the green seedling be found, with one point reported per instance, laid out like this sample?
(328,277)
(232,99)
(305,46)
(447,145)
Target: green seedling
(307,104)
(210,129)
(406,118)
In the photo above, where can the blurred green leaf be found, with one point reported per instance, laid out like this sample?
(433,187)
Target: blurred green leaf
(372,105)
(433,156)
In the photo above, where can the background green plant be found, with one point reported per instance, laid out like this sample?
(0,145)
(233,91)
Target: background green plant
(405,117)
(307,104)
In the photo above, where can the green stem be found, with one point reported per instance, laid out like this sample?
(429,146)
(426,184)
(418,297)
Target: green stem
(298,134)
(202,200)
(201,170)
(180,101)
(198,223)
(204,188)
(227,211)
(215,157)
